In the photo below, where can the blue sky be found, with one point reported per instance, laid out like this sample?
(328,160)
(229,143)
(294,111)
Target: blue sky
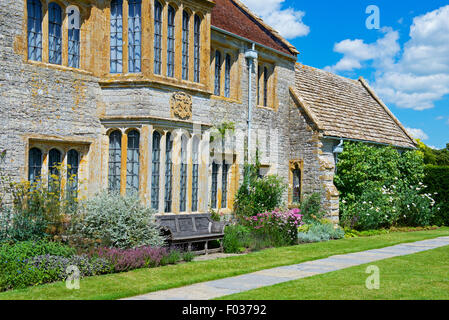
(406,61)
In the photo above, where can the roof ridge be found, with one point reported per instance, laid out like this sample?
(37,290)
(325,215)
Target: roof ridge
(384,106)
(275,33)
(328,72)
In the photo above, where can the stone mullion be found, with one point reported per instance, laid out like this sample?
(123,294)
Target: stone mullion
(189,175)
(220,185)
(105,160)
(204,178)
(63,172)
(205,45)
(125,36)
(234,184)
(145,164)
(178,42)
(83,173)
(177,159)
(147,37)
(164,40)
(124,163)
(192,47)
(162,173)
(212,71)
(44,170)
(223,73)
(45,32)
(65,39)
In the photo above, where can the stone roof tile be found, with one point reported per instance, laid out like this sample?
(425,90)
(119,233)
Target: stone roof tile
(345,108)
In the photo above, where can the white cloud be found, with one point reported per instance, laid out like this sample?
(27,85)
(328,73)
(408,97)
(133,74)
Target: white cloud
(416,78)
(417,133)
(287,21)
(356,52)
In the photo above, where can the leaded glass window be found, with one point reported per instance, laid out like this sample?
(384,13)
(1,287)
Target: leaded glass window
(55,34)
(171,42)
(228,76)
(157,37)
(214,191)
(34,165)
(259,78)
(217,73)
(265,86)
(134,35)
(296,184)
(54,174)
(155,172)
(132,162)
(195,174)
(197,47)
(115,160)
(224,186)
(168,173)
(34,11)
(73,15)
(183,175)
(72,173)
(185,45)
(116,41)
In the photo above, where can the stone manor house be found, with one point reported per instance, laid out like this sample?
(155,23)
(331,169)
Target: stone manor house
(125,94)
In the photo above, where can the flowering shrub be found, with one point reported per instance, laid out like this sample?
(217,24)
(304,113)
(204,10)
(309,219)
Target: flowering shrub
(116,221)
(380,188)
(257,194)
(129,259)
(280,227)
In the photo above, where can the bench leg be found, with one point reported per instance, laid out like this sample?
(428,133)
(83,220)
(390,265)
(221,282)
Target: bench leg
(206,247)
(189,247)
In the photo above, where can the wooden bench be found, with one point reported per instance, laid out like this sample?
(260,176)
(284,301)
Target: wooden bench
(191,230)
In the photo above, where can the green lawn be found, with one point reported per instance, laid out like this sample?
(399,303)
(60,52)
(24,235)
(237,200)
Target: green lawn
(421,276)
(143,281)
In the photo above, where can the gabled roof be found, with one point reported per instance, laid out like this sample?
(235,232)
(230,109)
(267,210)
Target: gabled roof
(236,18)
(348,109)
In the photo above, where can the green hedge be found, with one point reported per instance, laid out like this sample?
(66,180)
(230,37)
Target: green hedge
(437,181)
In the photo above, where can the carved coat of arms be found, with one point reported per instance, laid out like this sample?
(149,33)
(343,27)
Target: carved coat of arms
(181,106)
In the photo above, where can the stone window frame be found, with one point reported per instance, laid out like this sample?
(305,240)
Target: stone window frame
(293,165)
(186,43)
(234,72)
(124,157)
(74,38)
(266,85)
(146,184)
(44,59)
(135,37)
(55,31)
(64,146)
(34,30)
(133,158)
(195,152)
(224,202)
(171,40)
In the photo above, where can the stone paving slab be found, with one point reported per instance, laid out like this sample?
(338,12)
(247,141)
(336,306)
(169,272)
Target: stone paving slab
(269,277)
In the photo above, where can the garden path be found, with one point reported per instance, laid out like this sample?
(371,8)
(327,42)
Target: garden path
(223,287)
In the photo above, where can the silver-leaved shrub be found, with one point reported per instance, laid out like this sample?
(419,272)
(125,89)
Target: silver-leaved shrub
(116,221)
